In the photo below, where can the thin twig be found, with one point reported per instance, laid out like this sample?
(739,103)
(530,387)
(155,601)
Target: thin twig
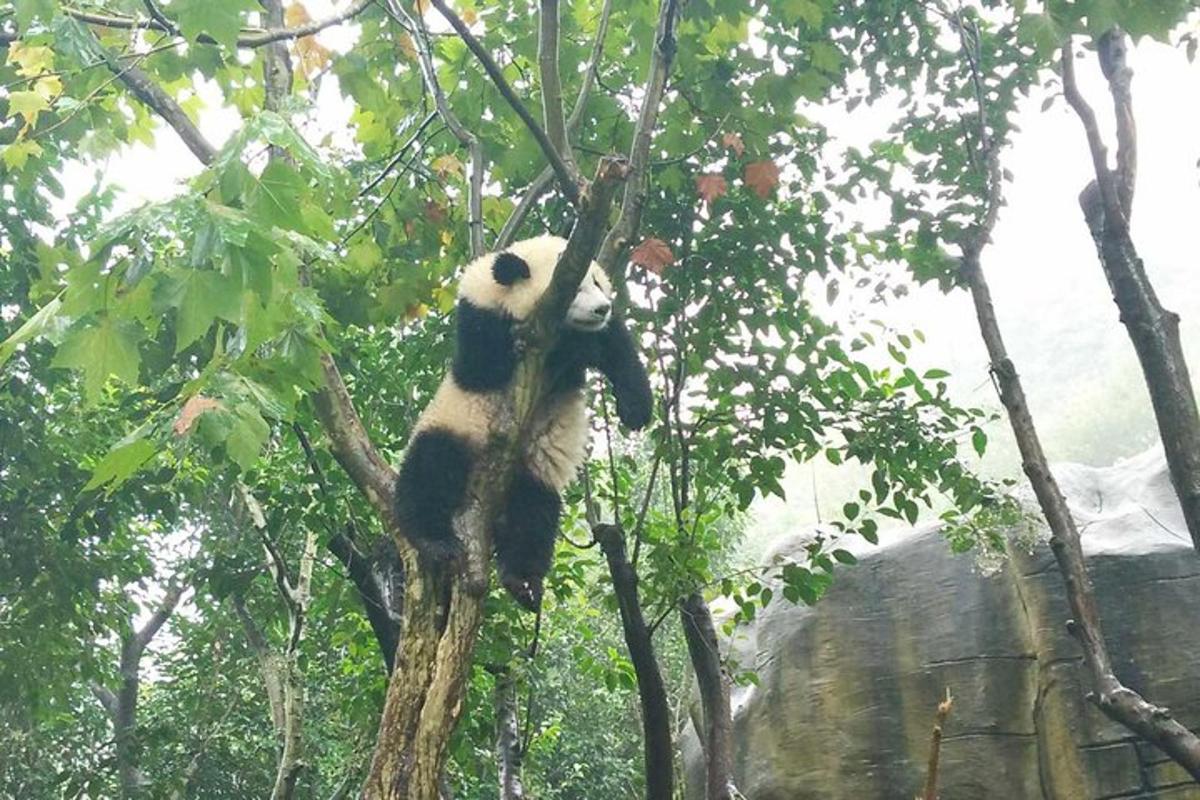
(569,181)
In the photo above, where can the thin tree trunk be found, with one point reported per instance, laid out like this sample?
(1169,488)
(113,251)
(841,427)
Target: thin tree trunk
(717,732)
(1107,205)
(508,735)
(656,711)
(1122,704)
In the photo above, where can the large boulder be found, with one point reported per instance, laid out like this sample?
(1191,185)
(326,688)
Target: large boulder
(847,689)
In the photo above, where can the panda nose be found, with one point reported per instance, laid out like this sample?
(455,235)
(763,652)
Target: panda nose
(601,310)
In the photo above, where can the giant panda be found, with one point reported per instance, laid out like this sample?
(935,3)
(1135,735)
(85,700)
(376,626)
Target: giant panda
(496,293)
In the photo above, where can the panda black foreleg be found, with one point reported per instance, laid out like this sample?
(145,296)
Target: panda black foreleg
(616,356)
(430,491)
(524,537)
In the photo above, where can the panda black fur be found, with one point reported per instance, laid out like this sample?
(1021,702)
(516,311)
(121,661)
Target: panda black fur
(496,293)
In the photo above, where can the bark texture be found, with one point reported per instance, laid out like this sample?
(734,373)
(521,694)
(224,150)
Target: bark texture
(716,733)
(656,713)
(508,736)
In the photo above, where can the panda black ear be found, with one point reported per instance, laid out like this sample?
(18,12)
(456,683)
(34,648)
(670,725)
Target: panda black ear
(507,269)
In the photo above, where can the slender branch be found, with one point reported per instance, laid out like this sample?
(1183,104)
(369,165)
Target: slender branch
(1112,48)
(552,106)
(622,234)
(465,137)
(568,180)
(157,15)
(148,631)
(1112,204)
(248,38)
(396,159)
(935,748)
(146,90)
(106,698)
(542,182)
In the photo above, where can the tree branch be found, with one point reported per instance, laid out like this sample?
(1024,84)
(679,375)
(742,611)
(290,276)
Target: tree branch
(552,106)
(106,698)
(465,137)
(248,38)
(622,234)
(1113,209)
(146,90)
(1112,48)
(542,182)
(568,180)
(147,632)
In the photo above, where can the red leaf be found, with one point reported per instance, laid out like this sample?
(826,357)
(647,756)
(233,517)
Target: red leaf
(653,254)
(710,186)
(196,405)
(762,177)
(734,142)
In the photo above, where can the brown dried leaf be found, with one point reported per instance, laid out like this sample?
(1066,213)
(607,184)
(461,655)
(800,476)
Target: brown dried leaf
(469,16)
(734,142)
(196,405)
(710,186)
(435,212)
(447,165)
(762,177)
(653,254)
(407,47)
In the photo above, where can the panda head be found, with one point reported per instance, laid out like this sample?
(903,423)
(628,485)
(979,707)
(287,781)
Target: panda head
(513,281)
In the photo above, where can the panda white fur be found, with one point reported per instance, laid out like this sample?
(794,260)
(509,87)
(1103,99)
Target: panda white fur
(496,293)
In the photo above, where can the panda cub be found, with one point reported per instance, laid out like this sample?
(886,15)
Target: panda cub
(496,293)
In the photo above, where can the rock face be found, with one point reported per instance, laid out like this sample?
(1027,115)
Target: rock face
(848,688)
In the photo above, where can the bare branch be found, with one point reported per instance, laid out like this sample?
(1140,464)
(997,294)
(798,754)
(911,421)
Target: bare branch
(465,137)
(161,614)
(277,65)
(1112,204)
(552,106)
(106,698)
(935,748)
(396,159)
(350,444)
(248,38)
(1112,48)
(542,182)
(622,234)
(268,662)
(568,180)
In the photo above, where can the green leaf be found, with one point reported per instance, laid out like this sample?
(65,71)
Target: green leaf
(120,463)
(274,199)
(246,436)
(100,351)
(34,326)
(845,557)
(28,105)
(220,19)
(979,440)
(19,152)
(205,295)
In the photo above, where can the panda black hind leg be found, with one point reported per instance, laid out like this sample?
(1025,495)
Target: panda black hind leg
(430,491)
(524,537)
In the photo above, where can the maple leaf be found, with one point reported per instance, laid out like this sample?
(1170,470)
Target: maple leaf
(196,405)
(734,142)
(710,186)
(762,177)
(313,56)
(653,254)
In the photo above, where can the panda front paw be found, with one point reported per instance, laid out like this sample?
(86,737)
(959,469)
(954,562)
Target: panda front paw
(637,414)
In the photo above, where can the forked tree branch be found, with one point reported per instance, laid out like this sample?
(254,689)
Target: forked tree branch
(248,38)
(542,182)
(466,137)
(1117,701)
(552,105)
(619,239)
(1112,47)
(1113,207)
(568,179)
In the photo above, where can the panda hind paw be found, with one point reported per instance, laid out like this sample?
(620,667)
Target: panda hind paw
(441,551)
(526,591)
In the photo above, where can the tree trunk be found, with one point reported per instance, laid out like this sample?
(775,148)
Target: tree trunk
(716,734)
(508,736)
(1154,332)
(1120,703)
(656,712)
